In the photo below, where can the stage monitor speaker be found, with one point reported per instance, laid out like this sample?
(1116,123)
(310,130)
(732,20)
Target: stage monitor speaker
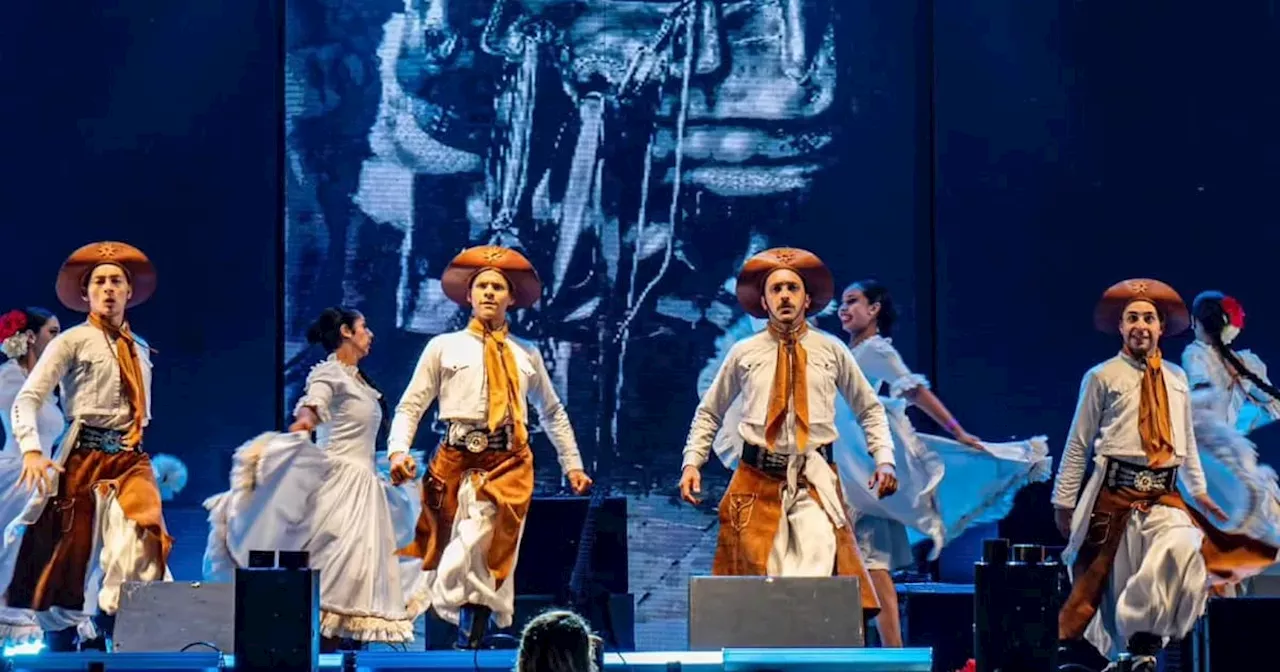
(1231,634)
(277,619)
(775,612)
(161,616)
(1264,585)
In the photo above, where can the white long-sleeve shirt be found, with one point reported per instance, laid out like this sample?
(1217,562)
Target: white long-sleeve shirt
(1106,422)
(83,360)
(748,369)
(451,372)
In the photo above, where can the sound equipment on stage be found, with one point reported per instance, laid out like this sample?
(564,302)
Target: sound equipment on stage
(555,525)
(622,615)
(1016,604)
(775,612)
(1264,585)
(937,616)
(1231,635)
(277,613)
(157,616)
(585,593)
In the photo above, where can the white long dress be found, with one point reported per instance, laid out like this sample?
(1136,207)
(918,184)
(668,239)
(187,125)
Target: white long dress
(1224,410)
(19,626)
(330,499)
(945,487)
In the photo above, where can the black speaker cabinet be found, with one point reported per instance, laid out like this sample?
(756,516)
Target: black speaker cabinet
(1016,604)
(170,616)
(775,612)
(553,527)
(1232,635)
(277,619)
(938,616)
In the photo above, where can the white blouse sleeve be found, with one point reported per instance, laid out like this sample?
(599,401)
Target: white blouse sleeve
(881,360)
(1196,364)
(1254,363)
(322,386)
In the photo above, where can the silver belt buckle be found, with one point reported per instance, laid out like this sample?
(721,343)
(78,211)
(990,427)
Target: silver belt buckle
(477,441)
(1145,481)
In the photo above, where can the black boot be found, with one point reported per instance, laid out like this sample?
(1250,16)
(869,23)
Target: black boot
(438,634)
(60,641)
(1078,655)
(473,624)
(106,626)
(1143,649)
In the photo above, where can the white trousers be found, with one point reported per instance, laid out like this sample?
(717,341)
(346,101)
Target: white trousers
(1159,584)
(805,543)
(463,575)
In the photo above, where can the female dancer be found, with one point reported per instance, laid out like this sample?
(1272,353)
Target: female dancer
(327,498)
(981,479)
(1230,397)
(24,333)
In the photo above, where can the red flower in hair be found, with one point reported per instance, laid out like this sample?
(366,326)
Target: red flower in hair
(1234,312)
(12,322)
(971,666)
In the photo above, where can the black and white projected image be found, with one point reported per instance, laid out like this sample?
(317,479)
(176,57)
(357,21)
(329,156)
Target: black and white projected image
(637,151)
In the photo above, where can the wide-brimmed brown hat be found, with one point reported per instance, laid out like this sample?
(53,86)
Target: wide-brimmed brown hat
(818,282)
(1106,316)
(526,288)
(78,266)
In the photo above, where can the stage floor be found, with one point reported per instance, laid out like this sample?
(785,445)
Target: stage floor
(728,660)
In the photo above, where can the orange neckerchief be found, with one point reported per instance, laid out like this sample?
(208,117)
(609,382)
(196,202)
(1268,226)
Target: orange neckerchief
(130,376)
(1154,425)
(505,399)
(790,384)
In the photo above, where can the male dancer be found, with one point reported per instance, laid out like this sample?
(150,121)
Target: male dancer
(1136,549)
(783,513)
(103,520)
(478,485)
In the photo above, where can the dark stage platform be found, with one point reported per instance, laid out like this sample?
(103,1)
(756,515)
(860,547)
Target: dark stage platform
(729,660)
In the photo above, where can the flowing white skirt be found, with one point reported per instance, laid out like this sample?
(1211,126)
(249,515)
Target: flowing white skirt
(17,626)
(945,487)
(288,494)
(1245,489)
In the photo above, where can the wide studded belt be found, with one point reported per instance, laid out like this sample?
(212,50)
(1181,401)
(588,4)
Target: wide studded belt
(775,464)
(1126,476)
(108,441)
(472,439)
